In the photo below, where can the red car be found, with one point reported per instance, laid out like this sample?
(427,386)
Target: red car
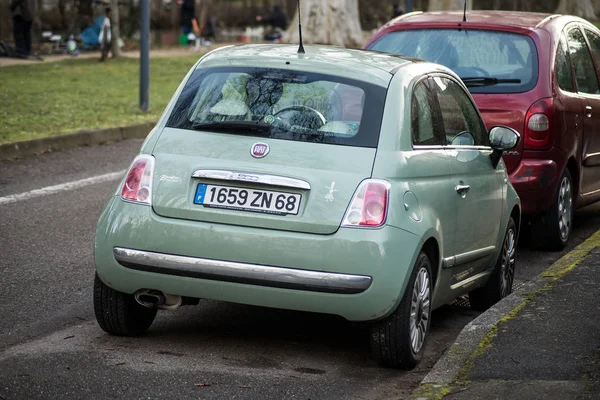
(537,73)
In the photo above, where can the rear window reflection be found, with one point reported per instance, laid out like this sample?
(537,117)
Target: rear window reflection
(288,105)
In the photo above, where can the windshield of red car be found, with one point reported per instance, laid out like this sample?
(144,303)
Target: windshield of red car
(510,58)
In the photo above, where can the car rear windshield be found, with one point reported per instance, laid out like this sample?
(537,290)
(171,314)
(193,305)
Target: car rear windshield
(510,59)
(281,104)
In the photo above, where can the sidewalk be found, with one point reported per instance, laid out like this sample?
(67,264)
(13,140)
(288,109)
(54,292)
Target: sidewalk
(548,347)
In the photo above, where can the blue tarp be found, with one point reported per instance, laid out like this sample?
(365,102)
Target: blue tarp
(89,36)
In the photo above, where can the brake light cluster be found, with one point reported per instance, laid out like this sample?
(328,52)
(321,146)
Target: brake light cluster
(368,207)
(539,123)
(137,186)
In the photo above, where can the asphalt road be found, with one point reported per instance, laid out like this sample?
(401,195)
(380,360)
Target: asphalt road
(51,347)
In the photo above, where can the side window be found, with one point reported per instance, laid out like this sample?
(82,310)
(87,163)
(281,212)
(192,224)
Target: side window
(564,74)
(594,40)
(462,124)
(585,73)
(423,117)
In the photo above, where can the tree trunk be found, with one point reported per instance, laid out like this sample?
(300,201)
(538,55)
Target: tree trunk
(333,22)
(85,13)
(132,22)
(446,5)
(202,7)
(581,8)
(63,14)
(114,26)
(290,6)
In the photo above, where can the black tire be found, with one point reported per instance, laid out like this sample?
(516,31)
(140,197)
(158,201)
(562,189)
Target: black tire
(391,336)
(118,313)
(561,214)
(500,283)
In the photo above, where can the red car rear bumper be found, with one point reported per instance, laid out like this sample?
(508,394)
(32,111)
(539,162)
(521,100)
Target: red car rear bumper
(535,181)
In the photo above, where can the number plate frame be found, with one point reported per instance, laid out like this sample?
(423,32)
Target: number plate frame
(257,200)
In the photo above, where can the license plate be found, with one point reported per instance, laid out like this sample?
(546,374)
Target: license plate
(265,201)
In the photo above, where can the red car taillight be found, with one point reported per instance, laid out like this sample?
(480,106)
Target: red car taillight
(539,123)
(137,186)
(368,207)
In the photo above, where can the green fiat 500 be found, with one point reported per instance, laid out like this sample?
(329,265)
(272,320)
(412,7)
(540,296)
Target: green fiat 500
(335,181)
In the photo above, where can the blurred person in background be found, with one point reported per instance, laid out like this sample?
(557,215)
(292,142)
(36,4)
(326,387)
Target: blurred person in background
(22,12)
(187,14)
(278,21)
(397,11)
(104,38)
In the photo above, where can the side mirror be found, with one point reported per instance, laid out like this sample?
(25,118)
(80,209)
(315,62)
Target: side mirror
(502,138)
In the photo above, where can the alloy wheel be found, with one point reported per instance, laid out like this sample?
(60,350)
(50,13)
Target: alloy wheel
(565,204)
(420,309)
(507,270)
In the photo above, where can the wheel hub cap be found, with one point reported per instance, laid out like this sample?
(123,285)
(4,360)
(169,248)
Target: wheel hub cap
(508,262)
(565,203)
(420,310)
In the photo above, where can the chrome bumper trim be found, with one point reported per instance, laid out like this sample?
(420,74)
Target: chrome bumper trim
(247,177)
(464,258)
(251,274)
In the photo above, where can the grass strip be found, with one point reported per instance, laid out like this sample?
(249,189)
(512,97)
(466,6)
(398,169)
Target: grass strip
(42,100)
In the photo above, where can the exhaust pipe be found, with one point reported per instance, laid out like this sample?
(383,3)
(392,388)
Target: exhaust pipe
(149,298)
(156,299)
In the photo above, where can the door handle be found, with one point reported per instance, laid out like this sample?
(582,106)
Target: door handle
(588,111)
(462,189)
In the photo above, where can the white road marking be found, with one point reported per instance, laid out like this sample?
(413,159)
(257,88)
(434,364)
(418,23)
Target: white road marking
(113,176)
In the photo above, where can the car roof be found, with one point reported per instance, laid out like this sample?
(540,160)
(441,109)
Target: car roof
(517,19)
(351,63)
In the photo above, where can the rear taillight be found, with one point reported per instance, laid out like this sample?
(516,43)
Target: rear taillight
(368,207)
(138,182)
(539,124)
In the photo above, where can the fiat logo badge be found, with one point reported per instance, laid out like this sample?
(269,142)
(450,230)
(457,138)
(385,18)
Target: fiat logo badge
(259,150)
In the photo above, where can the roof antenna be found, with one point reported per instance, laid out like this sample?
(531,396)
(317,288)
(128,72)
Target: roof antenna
(301,48)
(464,12)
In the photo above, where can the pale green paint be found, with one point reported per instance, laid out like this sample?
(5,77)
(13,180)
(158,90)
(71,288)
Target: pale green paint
(181,152)
(380,253)
(367,66)
(386,254)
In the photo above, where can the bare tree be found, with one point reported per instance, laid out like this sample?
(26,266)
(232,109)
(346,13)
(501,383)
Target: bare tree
(444,5)
(581,8)
(85,13)
(115,31)
(334,22)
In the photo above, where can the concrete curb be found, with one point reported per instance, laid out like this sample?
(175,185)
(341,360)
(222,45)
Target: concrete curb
(477,336)
(90,137)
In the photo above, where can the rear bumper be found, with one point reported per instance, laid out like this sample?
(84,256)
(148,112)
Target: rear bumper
(535,182)
(359,274)
(252,274)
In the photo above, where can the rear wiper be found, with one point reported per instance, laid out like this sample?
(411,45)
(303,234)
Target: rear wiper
(486,81)
(236,126)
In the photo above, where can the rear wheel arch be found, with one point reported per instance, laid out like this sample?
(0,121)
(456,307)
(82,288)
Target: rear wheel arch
(573,168)
(516,216)
(432,249)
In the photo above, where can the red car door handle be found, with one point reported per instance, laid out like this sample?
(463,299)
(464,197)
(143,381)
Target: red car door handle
(588,111)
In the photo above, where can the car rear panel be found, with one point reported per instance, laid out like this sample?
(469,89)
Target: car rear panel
(333,173)
(507,110)
(378,253)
